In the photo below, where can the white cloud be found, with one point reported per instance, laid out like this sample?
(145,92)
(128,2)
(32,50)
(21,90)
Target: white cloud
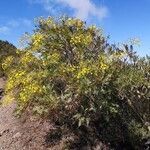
(82,9)
(4,29)
(85,8)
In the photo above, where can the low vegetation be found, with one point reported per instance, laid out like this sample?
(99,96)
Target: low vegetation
(70,72)
(6,49)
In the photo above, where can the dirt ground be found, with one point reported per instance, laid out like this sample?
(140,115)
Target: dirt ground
(26,133)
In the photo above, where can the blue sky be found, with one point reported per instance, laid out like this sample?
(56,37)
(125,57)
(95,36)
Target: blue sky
(121,19)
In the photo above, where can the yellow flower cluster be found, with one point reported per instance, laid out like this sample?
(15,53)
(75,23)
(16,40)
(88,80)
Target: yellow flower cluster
(8,98)
(27,57)
(37,40)
(83,72)
(20,74)
(92,28)
(81,39)
(49,21)
(66,70)
(24,96)
(103,66)
(15,79)
(52,59)
(103,62)
(27,84)
(29,90)
(70,68)
(119,55)
(75,22)
(8,61)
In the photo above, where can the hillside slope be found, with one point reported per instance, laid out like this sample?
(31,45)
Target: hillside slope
(21,134)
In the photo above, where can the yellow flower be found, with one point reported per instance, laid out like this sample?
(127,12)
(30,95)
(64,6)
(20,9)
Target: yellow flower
(119,55)
(37,40)
(81,39)
(52,59)
(8,61)
(83,72)
(92,28)
(8,99)
(27,57)
(103,66)
(79,23)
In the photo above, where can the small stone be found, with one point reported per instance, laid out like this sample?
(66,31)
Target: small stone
(17,135)
(148,142)
(3,132)
(1,91)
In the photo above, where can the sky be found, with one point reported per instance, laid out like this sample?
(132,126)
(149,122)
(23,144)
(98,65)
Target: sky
(122,20)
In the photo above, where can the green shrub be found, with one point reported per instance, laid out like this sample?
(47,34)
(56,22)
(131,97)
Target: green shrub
(69,71)
(6,49)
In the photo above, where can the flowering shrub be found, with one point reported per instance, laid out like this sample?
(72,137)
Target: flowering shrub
(70,71)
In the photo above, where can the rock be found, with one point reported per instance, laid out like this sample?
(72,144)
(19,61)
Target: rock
(1,97)
(147,144)
(17,135)
(1,91)
(3,132)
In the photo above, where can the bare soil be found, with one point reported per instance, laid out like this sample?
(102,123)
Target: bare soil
(26,133)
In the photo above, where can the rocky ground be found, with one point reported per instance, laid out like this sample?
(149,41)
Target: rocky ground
(26,133)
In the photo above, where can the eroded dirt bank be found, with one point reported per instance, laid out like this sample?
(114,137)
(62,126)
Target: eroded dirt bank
(27,133)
